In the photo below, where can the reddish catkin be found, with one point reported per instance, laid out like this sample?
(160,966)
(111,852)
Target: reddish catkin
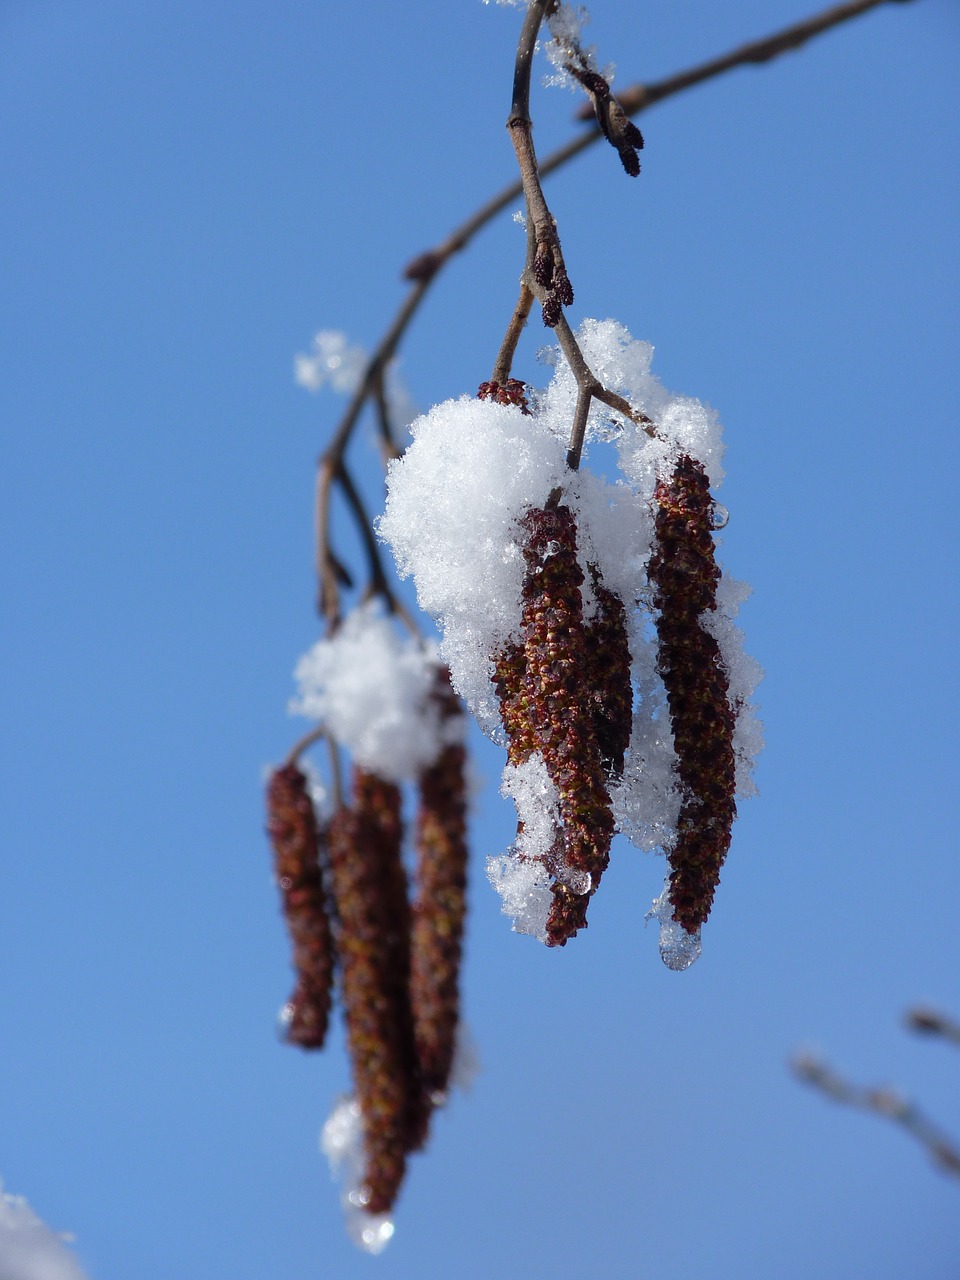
(369,891)
(684,575)
(436,932)
(559,708)
(608,675)
(295,837)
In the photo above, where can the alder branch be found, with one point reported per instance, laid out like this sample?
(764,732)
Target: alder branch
(882,1102)
(930,1022)
(544,273)
(423,269)
(638,97)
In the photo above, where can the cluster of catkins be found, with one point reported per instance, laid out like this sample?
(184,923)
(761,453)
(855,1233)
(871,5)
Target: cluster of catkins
(345,893)
(588,627)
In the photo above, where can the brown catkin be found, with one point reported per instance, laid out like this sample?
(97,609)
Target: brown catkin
(608,675)
(436,933)
(296,838)
(369,890)
(684,575)
(559,709)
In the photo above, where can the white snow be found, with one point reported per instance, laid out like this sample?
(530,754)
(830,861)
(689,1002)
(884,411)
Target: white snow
(369,684)
(341,1141)
(29,1250)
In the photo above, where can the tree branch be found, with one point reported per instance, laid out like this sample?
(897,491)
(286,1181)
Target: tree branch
(882,1102)
(423,269)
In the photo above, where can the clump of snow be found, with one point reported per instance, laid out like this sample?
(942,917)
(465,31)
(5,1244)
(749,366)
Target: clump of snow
(538,806)
(331,359)
(29,1250)
(743,674)
(341,1141)
(524,886)
(370,685)
(453,501)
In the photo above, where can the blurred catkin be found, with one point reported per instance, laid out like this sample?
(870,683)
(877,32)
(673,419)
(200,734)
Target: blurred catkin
(370,894)
(684,575)
(296,838)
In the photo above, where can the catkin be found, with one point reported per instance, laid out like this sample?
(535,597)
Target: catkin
(684,575)
(369,890)
(296,838)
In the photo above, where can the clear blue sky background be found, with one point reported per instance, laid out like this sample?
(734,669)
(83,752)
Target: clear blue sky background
(190,191)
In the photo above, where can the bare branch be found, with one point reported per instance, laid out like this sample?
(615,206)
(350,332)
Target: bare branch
(638,97)
(930,1022)
(882,1102)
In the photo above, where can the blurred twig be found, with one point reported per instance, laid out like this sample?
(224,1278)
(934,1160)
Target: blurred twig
(887,1102)
(930,1022)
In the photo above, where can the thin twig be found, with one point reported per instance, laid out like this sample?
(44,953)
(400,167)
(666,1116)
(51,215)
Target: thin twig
(378,584)
(638,97)
(304,744)
(930,1022)
(388,444)
(504,361)
(882,1102)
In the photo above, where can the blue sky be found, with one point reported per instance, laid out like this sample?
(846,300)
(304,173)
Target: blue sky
(191,191)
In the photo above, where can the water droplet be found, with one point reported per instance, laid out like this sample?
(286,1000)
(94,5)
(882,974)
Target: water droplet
(678,949)
(550,549)
(359,1197)
(284,1019)
(575,880)
(718,516)
(375,1238)
(438,1098)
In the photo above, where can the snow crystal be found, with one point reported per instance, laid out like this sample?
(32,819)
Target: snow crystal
(341,1141)
(743,673)
(538,805)
(29,1250)
(646,798)
(524,887)
(370,686)
(678,948)
(331,360)
(520,875)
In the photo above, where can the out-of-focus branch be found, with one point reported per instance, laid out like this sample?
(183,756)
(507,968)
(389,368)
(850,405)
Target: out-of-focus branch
(931,1023)
(886,1102)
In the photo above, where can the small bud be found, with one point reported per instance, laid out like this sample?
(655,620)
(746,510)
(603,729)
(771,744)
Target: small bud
(543,265)
(563,288)
(551,311)
(513,391)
